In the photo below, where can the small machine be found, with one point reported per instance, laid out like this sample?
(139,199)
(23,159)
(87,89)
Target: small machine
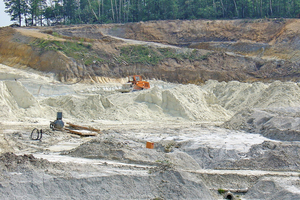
(135,83)
(58,124)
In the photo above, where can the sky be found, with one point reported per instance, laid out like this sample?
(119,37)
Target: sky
(4,17)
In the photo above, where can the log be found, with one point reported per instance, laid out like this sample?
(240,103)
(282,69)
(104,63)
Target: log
(84,127)
(81,132)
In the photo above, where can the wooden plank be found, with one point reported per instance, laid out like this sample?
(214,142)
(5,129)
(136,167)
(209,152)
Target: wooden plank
(82,132)
(84,127)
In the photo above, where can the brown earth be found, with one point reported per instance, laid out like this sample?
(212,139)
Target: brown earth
(244,50)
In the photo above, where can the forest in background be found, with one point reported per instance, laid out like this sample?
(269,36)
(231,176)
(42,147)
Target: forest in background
(54,12)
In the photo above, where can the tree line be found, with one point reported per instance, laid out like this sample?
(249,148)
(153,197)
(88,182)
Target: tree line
(51,12)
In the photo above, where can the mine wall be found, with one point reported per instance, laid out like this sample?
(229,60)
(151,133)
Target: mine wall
(227,50)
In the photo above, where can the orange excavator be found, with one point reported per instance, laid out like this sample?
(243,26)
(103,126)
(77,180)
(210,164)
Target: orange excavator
(135,83)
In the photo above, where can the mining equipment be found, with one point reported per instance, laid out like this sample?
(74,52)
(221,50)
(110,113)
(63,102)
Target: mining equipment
(135,83)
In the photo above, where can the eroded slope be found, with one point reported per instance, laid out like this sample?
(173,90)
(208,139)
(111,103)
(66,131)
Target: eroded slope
(244,50)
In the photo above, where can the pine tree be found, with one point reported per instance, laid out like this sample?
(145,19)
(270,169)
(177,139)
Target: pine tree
(15,8)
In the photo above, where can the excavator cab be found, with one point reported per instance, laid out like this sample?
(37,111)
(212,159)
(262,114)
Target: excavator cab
(134,79)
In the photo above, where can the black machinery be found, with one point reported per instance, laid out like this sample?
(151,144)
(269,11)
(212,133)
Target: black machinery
(58,124)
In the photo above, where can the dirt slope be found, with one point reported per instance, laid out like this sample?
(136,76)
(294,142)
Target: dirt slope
(243,36)
(224,50)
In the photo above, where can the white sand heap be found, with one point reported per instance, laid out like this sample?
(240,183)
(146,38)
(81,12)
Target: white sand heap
(236,96)
(86,107)
(28,95)
(16,101)
(186,101)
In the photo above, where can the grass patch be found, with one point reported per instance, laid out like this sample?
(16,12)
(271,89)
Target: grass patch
(55,34)
(83,52)
(77,50)
(152,56)
(140,54)
(221,191)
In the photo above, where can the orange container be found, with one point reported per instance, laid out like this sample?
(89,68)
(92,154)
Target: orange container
(150,145)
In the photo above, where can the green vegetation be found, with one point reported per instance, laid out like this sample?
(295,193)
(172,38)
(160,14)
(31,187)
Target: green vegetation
(169,147)
(221,191)
(42,12)
(77,50)
(158,198)
(55,34)
(152,56)
(83,52)
(140,54)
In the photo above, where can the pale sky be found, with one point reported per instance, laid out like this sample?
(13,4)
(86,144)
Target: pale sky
(4,17)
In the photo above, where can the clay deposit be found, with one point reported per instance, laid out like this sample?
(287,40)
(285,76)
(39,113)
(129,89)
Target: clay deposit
(240,138)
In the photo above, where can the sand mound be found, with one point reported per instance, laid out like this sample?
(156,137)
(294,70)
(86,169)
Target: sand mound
(213,102)
(124,149)
(276,123)
(16,101)
(86,107)
(21,98)
(269,109)
(269,155)
(236,96)
(191,102)
(186,101)
(5,109)
(270,188)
